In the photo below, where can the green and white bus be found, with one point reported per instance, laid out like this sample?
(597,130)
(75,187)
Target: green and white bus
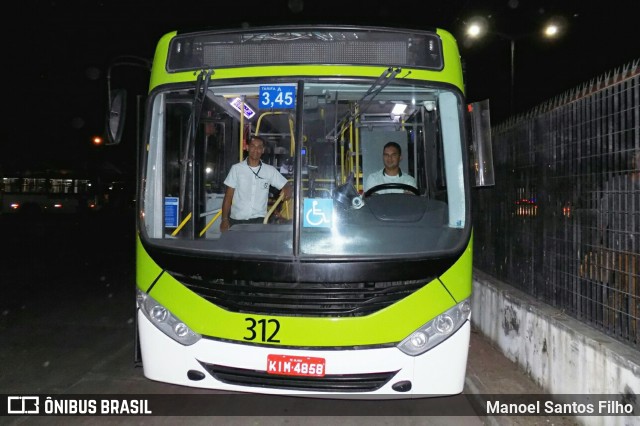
(342,291)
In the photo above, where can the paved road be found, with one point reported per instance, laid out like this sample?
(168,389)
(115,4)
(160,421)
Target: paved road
(66,322)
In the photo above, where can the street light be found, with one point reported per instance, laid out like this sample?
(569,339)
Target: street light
(478,27)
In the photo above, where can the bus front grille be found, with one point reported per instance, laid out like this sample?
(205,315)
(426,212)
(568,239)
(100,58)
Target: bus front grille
(329,383)
(302,299)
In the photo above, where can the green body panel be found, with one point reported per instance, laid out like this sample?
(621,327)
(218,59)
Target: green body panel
(389,325)
(458,278)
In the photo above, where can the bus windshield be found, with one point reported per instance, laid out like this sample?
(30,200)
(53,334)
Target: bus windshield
(327,137)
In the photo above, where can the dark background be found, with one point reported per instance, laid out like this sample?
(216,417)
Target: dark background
(58,52)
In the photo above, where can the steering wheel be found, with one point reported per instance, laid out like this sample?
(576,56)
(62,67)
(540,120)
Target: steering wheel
(384,186)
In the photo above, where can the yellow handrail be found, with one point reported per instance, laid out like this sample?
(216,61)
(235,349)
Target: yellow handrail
(357,143)
(266,218)
(292,142)
(213,219)
(182,224)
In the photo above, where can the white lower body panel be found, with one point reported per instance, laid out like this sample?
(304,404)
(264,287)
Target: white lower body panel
(439,371)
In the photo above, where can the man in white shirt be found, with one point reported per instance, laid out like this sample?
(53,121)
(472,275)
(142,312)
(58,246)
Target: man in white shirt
(391,156)
(248,182)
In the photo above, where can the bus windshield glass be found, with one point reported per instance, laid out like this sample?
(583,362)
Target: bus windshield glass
(328,138)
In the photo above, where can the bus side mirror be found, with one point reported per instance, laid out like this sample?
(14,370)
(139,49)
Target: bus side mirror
(116,115)
(481,150)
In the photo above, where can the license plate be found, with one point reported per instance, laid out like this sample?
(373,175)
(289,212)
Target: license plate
(287,365)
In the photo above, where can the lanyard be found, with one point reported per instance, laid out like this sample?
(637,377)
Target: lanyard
(256,174)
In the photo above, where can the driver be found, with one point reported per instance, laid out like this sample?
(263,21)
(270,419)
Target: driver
(391,156)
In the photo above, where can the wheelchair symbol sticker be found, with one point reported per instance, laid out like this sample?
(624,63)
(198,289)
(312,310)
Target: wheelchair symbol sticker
(318,213)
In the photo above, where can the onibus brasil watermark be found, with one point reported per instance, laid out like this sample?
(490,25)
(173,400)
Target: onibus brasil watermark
(37,405)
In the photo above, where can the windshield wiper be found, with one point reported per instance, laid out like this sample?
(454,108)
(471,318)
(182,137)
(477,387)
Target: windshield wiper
(381,82)
(202,85)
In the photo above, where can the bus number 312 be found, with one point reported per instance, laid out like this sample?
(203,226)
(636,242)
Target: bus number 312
(262,325)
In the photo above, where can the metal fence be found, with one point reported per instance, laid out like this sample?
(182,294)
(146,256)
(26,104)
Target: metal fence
(562,222)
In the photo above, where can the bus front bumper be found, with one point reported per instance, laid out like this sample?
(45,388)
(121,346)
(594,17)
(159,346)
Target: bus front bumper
(386,373)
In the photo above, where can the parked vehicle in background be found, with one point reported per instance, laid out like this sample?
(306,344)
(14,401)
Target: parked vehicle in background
(48,194)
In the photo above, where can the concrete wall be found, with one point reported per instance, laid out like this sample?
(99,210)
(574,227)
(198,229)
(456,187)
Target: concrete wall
(561,354)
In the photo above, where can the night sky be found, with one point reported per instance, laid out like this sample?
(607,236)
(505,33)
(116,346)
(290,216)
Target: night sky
(59,51)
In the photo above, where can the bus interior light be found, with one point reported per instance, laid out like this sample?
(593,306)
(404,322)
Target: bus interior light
(398,109)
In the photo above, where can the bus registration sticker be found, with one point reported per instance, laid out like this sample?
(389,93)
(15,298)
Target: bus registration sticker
(287,365)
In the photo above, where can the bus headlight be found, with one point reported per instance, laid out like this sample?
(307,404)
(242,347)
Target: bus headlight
(437,330)
(165,321)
